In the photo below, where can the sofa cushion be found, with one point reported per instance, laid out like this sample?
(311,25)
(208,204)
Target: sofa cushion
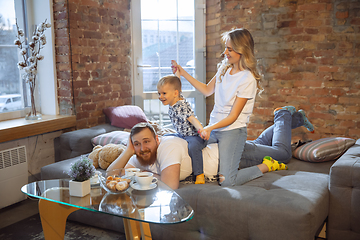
(294,202)
(325,149)
(344,187)
(115,137)
(125,116)
(75,143)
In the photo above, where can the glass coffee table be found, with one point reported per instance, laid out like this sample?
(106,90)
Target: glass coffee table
(138,208)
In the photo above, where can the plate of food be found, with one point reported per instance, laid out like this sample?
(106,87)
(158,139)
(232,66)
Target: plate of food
(115,181)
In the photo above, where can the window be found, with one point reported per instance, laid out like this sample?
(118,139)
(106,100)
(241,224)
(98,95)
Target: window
(184,22)
(27,14)
(10,81)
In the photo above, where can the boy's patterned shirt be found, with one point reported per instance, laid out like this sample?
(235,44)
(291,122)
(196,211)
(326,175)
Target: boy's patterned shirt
(179,113)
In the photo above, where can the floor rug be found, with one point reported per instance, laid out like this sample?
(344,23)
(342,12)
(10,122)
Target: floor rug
(30,229)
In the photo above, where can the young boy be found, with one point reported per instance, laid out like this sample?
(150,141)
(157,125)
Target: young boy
(185,123)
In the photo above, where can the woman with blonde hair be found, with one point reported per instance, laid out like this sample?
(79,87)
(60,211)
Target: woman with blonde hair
(235,86)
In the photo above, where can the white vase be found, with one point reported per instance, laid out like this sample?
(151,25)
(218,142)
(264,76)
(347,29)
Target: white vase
(79,189)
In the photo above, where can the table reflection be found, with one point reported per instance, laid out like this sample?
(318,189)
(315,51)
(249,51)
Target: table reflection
(158,205)
(117,204)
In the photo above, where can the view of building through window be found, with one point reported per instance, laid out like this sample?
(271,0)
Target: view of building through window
(167,33)
(10,82)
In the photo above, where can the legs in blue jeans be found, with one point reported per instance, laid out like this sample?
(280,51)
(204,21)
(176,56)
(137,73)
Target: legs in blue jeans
(231,145)
(247,174)
(275,141)
(195,147)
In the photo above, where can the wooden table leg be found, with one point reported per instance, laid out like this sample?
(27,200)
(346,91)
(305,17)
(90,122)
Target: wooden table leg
(53,218)
(135,230)
(145,231)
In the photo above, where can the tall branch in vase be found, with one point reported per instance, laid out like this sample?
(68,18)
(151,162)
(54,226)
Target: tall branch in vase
(29,62)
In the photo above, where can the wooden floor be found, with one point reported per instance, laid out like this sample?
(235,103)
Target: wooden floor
(18,212)
(75,230)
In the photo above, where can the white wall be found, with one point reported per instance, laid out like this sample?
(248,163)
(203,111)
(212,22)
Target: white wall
(40,151)
(39,10)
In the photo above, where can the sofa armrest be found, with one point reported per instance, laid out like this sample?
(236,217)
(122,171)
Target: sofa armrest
(78,142)
(344,211)
(57,170)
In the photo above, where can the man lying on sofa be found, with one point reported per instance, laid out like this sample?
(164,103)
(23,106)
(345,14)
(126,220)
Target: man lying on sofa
(168,157)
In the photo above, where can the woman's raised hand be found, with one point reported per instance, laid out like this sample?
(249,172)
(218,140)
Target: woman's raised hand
(175,68)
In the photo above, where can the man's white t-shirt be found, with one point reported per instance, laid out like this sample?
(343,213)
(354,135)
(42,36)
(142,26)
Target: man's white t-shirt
(173,150)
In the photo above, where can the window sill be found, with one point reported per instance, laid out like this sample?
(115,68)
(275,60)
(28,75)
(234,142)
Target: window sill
(21,128)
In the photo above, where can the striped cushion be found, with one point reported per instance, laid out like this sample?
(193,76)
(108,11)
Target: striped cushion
(325,149)
(116,137)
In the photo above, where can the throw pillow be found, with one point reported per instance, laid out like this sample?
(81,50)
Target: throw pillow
(125,116)
(115,137)
(325,149)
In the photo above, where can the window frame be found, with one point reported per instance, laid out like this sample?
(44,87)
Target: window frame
(35,12)
(20,15)
(200,56)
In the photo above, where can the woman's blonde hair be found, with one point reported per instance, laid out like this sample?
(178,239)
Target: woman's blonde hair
(242,43)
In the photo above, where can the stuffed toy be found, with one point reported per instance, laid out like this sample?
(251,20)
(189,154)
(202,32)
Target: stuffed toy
(94,155)
(103,156)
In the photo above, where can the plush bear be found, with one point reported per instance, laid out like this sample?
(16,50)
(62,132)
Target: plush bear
(103,156)
(94,155)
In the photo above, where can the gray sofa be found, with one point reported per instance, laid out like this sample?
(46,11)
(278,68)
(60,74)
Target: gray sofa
(292,204)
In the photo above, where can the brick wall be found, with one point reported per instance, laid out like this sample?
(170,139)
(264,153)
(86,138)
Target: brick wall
(307,50)
(92,44)
(309,54)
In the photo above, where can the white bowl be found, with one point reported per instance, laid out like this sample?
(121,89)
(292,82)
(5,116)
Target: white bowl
(116,175)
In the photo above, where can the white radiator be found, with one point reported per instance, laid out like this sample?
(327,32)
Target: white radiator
(13,175)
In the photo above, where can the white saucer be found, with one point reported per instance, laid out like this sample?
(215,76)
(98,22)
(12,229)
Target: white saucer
(94,182)
(136,186)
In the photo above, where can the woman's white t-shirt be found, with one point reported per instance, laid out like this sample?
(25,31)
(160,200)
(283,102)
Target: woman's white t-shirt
(174,150)
(242,85)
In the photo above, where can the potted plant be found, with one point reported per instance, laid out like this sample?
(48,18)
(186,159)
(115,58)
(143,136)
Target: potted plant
(80,172)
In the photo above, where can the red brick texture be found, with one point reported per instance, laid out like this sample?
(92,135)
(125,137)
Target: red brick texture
(92,42)
(308,52)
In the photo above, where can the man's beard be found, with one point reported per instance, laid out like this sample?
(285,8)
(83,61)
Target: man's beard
(149,160)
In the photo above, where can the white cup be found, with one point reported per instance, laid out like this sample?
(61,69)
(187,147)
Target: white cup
(145,179)
(129,172)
